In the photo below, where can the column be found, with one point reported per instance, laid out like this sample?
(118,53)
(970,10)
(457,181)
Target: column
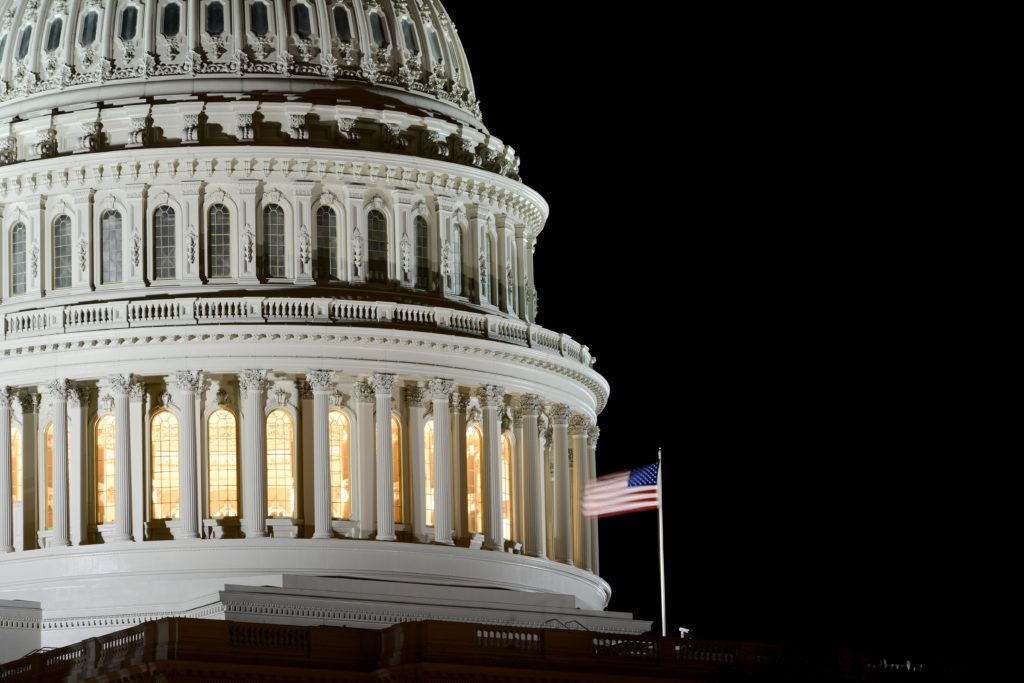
(321,382)
(365,476)
(189,383)
(592,434)
(518,491)
(137,409)
(417,504)
(6,490)
(562,523)
(457,410)
(31,488)
(120,387)
(491,399)
(383,383)
(58,390)
(78,466)
(578,426)
(440,392)
(535,536)
(254,458)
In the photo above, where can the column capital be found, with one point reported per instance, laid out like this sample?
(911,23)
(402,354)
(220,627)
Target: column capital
(560,414)
(7,396)
(364,392)
(189,380)
(530,404)
(320,381)
(137,390)
(579,425)
(79,396)
(252,380)
(416,395)
(383,383)
(459,402)
(593,433)
(121,385)
(58,389)
(517,415)
(441,389)
(491,395)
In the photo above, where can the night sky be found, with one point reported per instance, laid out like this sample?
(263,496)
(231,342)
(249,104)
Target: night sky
(742,325)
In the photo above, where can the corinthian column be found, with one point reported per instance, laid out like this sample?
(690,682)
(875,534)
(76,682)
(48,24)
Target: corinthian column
(535,541)
(440,391)
(383,384)
(189,383)
(254,479)
(416,504)
(562,528)
(366,483)
(58,390)
(121,387)
(492,398)
(578,426)
(460,492)
(320,381)
(6,490)
(592,434)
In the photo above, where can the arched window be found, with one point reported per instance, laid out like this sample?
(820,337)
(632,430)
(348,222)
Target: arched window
(61,252)
(164,267)
(428,470)
(258,19)
(474,480)
(128,19)
(26,38)
(215,18)
(164,443)
(422,253)
(106,501)
(377,229)
(300,20)
(280,465)
(457,258)
(89,28)
(219,229)
(492,271)
(17,461)
(378,30)
(341,486)
(222,445)
(19,249)
(410,40)
(435,49)
(274,261)
(327,243)
(48,473)
(110,237)
(172,20)
(53,37)
(506,486)
(342,28)
(396,459)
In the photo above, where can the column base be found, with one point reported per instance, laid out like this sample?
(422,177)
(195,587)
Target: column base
(7,549)
(58,544)
(448,542)
(494,546)
(323,535)
(256,534)
(386,538)
(120,538)
(186,536)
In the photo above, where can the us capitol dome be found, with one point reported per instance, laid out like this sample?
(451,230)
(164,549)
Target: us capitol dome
(269,347)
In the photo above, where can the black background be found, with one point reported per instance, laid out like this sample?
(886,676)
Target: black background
(753,321)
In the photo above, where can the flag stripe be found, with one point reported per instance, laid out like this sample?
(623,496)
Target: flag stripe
(613,494)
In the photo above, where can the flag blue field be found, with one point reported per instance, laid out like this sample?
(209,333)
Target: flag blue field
(622,492)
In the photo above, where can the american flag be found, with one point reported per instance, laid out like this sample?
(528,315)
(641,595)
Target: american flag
(622,492)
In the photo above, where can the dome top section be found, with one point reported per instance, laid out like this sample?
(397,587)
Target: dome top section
(385,54)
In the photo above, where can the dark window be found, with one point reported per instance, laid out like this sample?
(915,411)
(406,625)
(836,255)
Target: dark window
(89,28)
(110,235)
(377,30)
(422,254)
(215,18)
(435,49)
(410,41)
(163,243)
(219,229)
(19,277)
(61,252)
(172,20)
(3,45)
(300,15)
(327,243)
(258,16)
(341,25)
(377,227)
(53,37)
(274,251)
(26,37)
(128,18)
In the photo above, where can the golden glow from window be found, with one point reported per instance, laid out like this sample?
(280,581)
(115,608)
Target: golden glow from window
(16,465)
(396,457)
(222,447)
(106,432)
(280,465)
(506,486)
(341,488)
(164,442)
(474,481)
(428,470)
(48,464)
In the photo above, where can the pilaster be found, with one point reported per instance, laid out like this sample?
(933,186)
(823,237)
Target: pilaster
(190,221)
(305,227)
(82,265)
(247,231)
(133,246)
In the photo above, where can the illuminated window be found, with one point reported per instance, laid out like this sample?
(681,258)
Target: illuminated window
(16,465)
(506,486)
(474,480)
(61,252)
(341,487)
(222,440)
(219,229)
(106,432)
(111,239)
(428,469)
(163,243)
(19,247)
(164,441)
(377,228)
(48,467)
(396,459)
(457,259)
(422,255)
(327,243)
(53,37)
(280,465)
(273,241)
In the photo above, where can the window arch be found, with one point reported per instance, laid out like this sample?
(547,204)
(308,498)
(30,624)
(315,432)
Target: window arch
(129,18)
(53,37)
(218,226)
(378,30)
(280,465)
(275,262)
(89,28)
(428,471)
(215,18)
(342,25)
(258,19)
(26,38)
(327,243)
(164,466)
(17,463)
(48,474)
(457,258)
(172,20)
(222,452)
(341,486)
(62,252)
(422,252)
(300,20)
(492,271)
(19,251)
(410,39)
(377,244)
(106,501)
(164,249)
(506,486)
(396,459)
(474,480)
(110,237)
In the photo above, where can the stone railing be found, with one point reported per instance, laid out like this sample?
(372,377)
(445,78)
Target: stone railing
(114,315)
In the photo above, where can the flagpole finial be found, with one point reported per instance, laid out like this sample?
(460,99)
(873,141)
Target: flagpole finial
(659,453)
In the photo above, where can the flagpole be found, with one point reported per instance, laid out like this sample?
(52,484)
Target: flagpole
(661,548)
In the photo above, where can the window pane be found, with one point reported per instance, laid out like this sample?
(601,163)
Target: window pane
(128,18)
(377,30)
(19,276)
(300,16)
(273,241)
(89,28)
(111,238)
(16,465)
(410,41)
(53,37)
(164,267)
(215,18)
(164,430)
(396,458)
(506,486)
(422,253)
(474,483)
(222,440)
(172,20)
(258,18)
(378,245)
(435,49)
(61,252)
(219,227)
(341,487)
(280,465)
(341,25)
(3,46)
(48,466)
(105,468)
(428,470)
(326,242)
(26,37)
